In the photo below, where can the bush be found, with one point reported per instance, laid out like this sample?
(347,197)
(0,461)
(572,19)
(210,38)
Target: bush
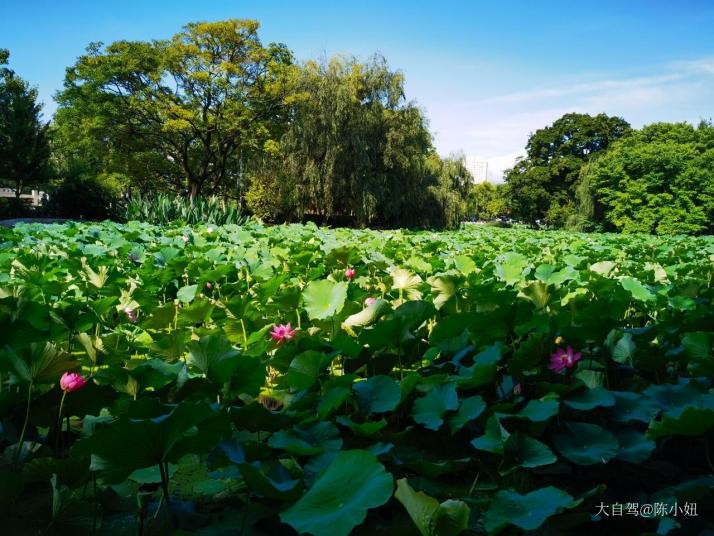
(11,207)
(85,197)
(164,208)
(271,199)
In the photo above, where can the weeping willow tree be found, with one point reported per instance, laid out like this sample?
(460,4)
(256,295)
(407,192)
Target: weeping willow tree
(355,151)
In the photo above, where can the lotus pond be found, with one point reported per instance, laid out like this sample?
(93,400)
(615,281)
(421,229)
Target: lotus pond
(293,379)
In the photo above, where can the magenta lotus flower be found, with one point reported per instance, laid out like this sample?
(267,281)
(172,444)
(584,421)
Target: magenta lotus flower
(131,314)
(282,332)
(368,302)
(562,359)
(71,382)
(350,273)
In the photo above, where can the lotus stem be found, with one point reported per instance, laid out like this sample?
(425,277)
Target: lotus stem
(24,426)
(59,421)
(245,336)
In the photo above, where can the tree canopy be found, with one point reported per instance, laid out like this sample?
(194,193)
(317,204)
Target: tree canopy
(182,113)
(660,179)
(24,139)
(541,186)
(214,111)
(354,149)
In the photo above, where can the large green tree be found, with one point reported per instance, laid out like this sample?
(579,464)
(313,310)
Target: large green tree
(184,113)
(24,140)
(658,180)
(355,151)
(541,186)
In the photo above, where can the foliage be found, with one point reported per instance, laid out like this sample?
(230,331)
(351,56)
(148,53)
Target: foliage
(194,419)
(164,208)
(24,140)
(182,113)
(356,151)
(86,197)
(445,206)
(487,201)
(541,186)
(212,111)
(659,180)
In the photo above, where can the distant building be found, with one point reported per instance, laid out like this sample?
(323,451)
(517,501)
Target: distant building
(34,198)
(477,168)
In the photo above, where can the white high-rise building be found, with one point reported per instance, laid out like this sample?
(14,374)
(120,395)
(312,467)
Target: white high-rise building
(477,167)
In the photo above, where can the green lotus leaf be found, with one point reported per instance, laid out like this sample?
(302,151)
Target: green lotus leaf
(691,421)
(339,499)
(510,267)
(587,399)
(539,410)
(430,409)
(637,289)
(214,357)
(494,439)
(527,512)
(305,368)
(307,440)
(432,518)
(634,446)
(285,489)
(377,394)
(187,294)
(469,409)
(522,450)
(585,444)
(324,299)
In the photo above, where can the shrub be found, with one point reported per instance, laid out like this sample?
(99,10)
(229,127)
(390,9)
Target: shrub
(165,208)
(85,197)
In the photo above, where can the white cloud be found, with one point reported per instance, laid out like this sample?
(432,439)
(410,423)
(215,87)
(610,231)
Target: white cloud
(584,88)
(498,126)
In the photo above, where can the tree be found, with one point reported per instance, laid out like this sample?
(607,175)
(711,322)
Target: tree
(447,206)
(24,140)
(658,180)
(354,152)
(184,113)
(486,201)
(541,186)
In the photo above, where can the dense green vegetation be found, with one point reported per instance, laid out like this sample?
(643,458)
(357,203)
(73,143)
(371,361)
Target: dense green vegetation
(164,209)
(595,173)
(541,186)
(658,180)
(214,111)
(267,380)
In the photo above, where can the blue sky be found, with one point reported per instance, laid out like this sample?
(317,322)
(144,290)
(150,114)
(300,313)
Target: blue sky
(487,73)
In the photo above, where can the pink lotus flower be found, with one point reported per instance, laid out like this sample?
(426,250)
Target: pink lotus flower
(517,389)
(350,273)
(370,301)
(562,359)
(71,382)
(209,285)
(282,332)
(131,314)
